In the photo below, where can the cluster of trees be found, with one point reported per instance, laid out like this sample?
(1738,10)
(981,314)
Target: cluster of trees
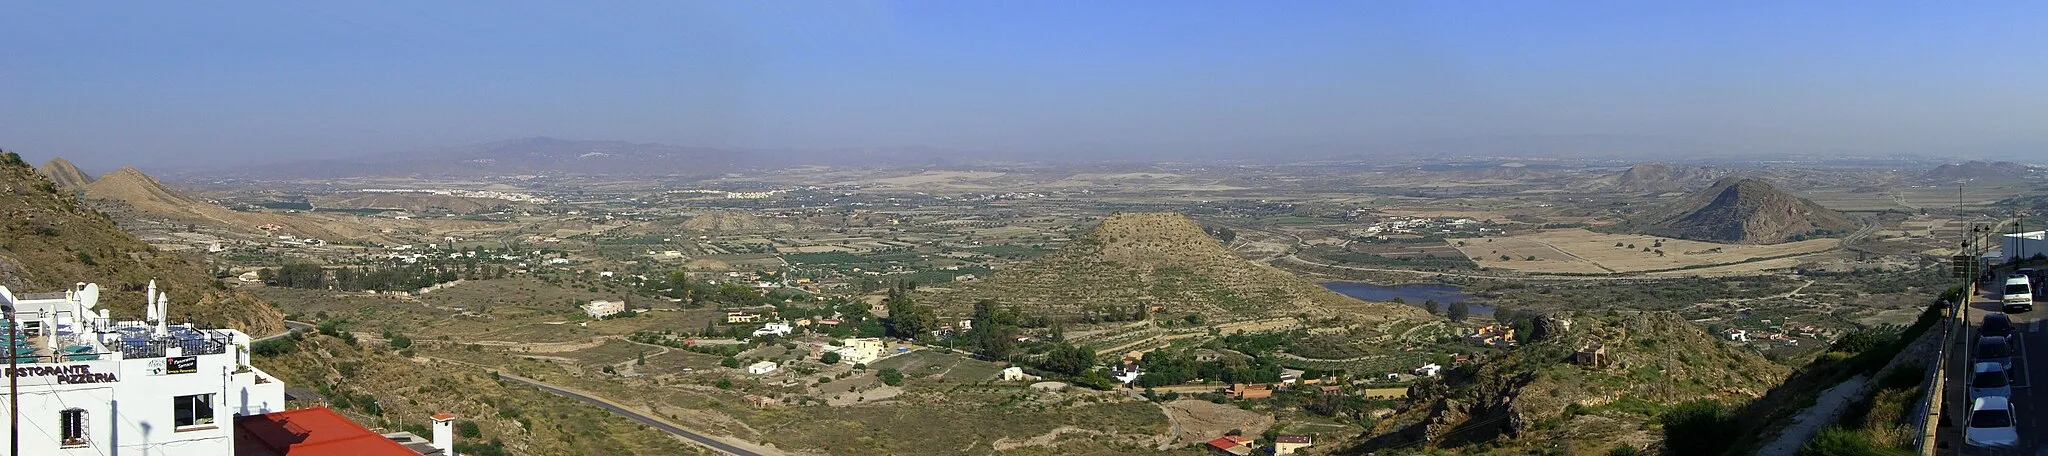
(402,277)
(908,319)
(1164,368)
(1457,311)
(696,293)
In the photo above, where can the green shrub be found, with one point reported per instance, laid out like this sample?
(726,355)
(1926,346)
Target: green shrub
(1699,427)
(1838,441)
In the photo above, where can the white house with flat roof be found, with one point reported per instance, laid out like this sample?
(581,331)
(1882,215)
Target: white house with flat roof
(861,350)
(601,309)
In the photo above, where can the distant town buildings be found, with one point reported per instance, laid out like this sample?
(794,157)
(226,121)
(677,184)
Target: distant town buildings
(761,368)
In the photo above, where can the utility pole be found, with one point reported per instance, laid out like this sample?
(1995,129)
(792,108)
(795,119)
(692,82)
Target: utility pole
(13,385)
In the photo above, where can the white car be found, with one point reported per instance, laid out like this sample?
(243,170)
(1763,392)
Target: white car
(1991,423)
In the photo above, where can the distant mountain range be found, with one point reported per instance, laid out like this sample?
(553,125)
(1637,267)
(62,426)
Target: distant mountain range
(553,156)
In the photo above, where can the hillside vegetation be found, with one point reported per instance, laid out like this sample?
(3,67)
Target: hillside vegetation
(1539,397)
(1162,259)
(52,240)
(1744,211)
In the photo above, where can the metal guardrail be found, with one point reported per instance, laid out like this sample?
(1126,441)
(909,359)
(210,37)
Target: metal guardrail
(1924,416)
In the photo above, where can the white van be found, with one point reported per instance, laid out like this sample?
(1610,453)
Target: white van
(2018,294)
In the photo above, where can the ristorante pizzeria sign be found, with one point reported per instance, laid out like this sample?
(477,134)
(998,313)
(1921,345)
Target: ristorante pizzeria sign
(76,373)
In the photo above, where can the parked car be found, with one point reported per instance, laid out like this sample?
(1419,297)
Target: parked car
(1989,379)
(1995,325)
(1991,423)
(1994,349)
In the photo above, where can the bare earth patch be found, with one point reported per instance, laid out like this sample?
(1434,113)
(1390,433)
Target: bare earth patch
(1198,421)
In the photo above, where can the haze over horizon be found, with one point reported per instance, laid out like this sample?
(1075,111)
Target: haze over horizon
(111,84)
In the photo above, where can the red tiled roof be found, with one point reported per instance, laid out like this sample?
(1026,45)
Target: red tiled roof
(444,416)
(313,431)
(1224,443)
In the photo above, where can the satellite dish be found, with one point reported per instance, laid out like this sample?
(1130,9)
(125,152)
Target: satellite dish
(90,296)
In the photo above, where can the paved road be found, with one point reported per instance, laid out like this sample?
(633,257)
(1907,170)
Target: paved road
(2030,366)
(636,416)
(289,328)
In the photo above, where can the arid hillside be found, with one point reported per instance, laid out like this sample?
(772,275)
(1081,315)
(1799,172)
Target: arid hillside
(151,198)
(52,240)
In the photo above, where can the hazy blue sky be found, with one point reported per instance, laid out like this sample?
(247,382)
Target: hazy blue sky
(166,82)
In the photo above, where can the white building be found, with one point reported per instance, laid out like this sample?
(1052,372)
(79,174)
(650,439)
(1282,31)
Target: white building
(776,329)
(89,385)
(761,368)
(1016,374)
(601,309)
(1428,370)
(2023,245)
(862,350)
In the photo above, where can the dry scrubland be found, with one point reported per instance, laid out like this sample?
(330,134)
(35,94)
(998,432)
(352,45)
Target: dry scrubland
(1574,250)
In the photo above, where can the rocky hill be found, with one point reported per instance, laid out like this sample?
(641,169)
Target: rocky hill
(1973,169)
(1162,259)
(1543,393)
(65,174)
(1741,210)
(150,198)
(53,240)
